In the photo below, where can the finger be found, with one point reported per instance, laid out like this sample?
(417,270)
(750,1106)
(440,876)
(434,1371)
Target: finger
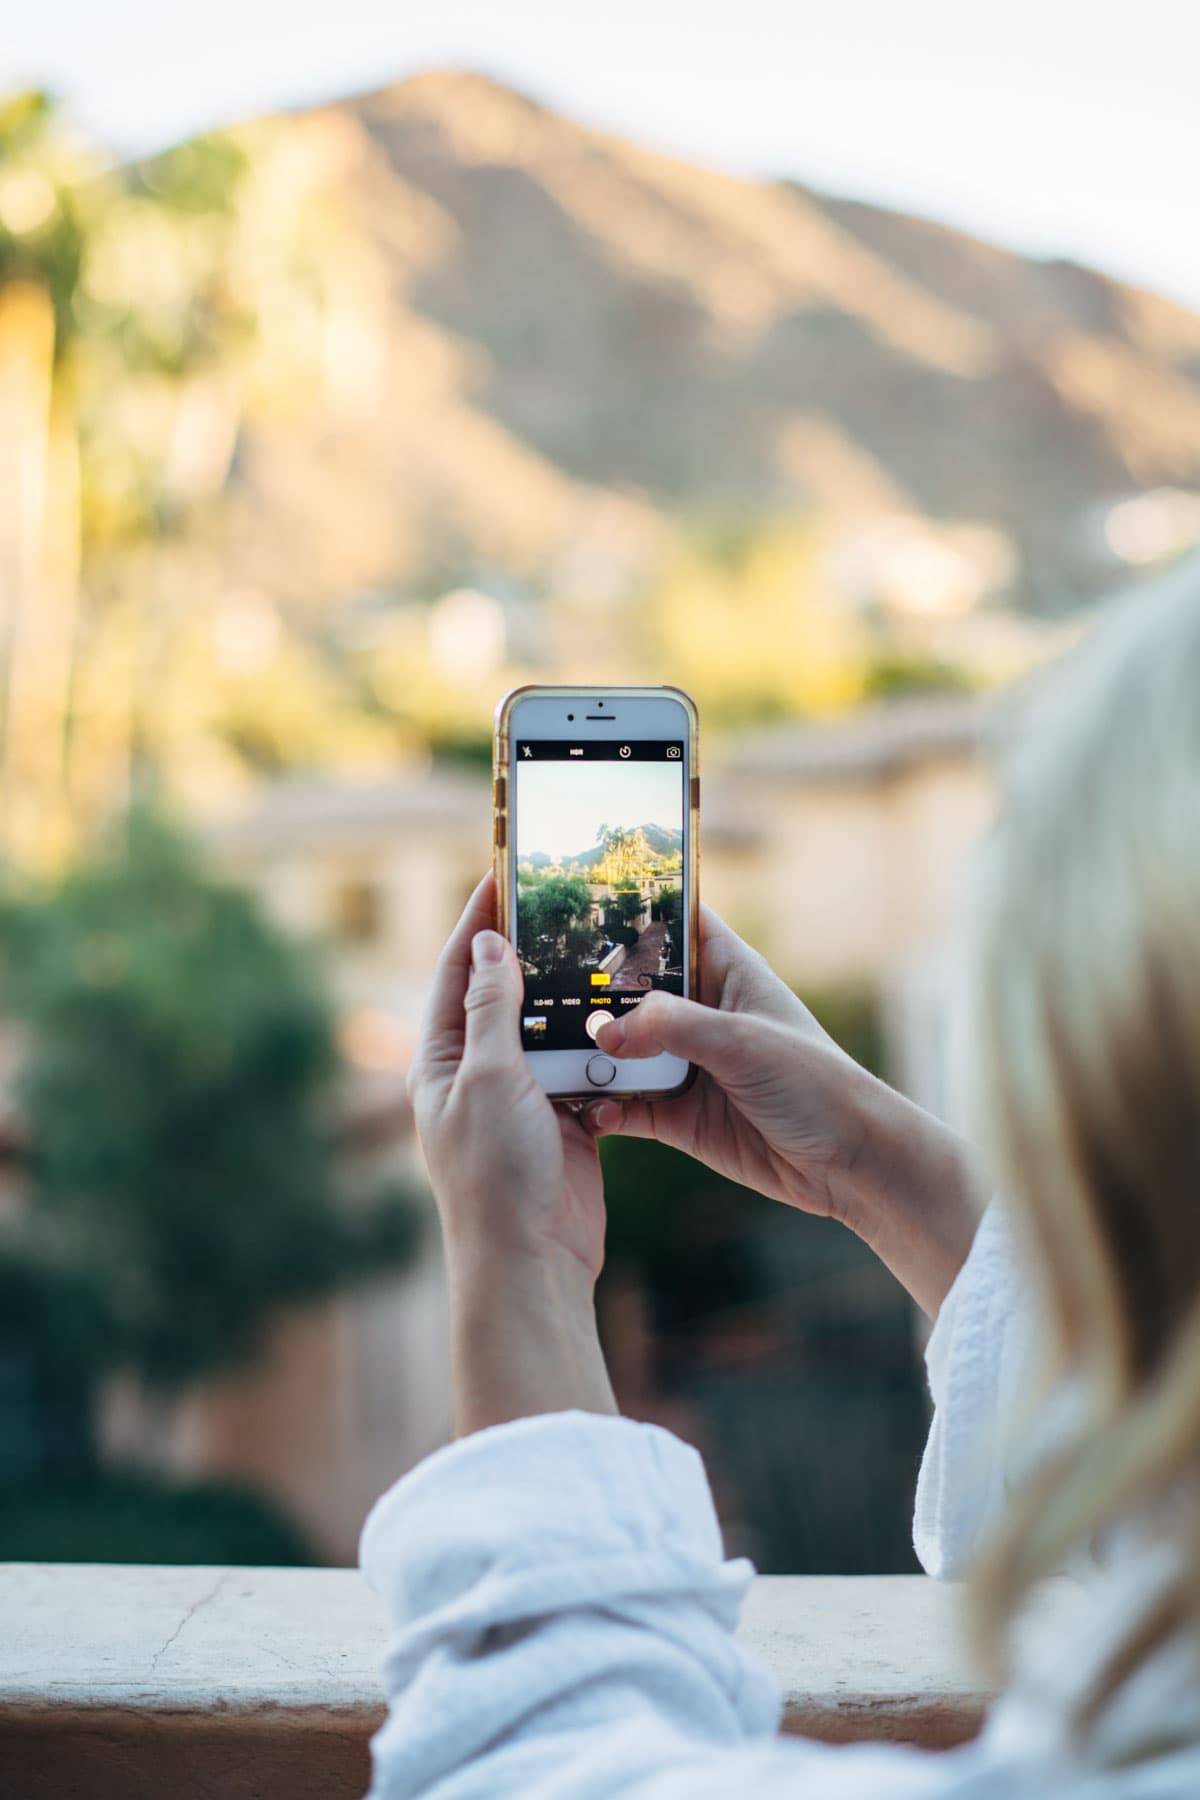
(611,1118)
(493,1002)
(666,1022)
(443,1026)
(715,938)
(713,929)
(667,1123)
(576,1131)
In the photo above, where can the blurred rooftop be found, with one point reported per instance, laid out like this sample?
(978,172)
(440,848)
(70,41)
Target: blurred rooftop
(868,743)
(432,799)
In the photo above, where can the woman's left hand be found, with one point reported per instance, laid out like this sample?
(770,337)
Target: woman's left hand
(518,1188)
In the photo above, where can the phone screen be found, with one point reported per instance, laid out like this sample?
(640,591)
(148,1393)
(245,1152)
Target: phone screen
(600,873)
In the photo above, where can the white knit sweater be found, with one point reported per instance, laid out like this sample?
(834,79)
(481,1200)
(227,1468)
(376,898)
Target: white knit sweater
(562,1616)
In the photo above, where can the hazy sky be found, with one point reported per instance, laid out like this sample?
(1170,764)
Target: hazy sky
(1059,126)
(561,805)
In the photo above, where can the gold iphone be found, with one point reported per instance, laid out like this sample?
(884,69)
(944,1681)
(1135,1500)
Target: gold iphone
(596,794)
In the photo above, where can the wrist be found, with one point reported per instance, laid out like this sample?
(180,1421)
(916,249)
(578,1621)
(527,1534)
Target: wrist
(524,1335)
(538,1276)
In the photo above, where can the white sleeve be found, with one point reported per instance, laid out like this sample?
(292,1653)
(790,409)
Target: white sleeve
(981,1359)
(561,1624)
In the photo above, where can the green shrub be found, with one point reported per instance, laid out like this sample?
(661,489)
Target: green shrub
(850,1013)
(178,1090)
(129,1517)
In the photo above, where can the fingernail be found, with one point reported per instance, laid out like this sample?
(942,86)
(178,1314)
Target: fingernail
(610,1035)
(486,947)
(603,1116)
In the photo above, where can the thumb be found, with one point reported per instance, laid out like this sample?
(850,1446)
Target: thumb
(493,1001)
(681,1027)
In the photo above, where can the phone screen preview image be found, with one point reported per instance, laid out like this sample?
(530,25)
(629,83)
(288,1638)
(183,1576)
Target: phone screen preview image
(600,872)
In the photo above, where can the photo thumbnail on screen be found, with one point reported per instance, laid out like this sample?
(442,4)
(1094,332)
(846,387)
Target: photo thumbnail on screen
(600,882)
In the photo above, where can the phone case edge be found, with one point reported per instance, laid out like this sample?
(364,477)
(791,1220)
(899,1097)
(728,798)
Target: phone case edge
(501,815)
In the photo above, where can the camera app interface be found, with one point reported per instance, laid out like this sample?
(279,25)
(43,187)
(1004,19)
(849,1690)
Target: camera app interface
(600,910)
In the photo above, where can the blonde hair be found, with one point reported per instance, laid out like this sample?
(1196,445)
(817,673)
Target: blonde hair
(1088,964)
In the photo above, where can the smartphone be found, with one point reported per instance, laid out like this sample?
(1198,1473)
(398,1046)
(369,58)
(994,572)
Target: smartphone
(596,797)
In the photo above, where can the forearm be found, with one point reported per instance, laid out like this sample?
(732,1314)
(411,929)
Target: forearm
(910,1193)
(523,1337)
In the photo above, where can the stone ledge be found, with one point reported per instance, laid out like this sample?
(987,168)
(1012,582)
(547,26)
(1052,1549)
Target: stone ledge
(244,1684)
(867,1657)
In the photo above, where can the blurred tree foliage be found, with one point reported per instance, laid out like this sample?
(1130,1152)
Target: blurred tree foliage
(177,1089)
(128,1516)
(785,1339)
(41,225)
(741,619)
(55,1337)
(892,676)
(136,309)
(650,1237)
(850,1012)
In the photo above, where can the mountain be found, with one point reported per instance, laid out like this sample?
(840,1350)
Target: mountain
(663,841)
(554,347)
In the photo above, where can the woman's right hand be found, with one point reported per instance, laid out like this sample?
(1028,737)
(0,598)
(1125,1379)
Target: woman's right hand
(779,1107)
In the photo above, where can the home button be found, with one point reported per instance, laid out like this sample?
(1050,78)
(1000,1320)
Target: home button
(601,1070)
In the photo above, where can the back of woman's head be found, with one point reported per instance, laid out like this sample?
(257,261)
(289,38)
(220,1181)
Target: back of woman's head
(1089,1039)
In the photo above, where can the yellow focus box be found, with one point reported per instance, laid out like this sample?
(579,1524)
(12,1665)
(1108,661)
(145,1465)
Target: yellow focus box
(601,978)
